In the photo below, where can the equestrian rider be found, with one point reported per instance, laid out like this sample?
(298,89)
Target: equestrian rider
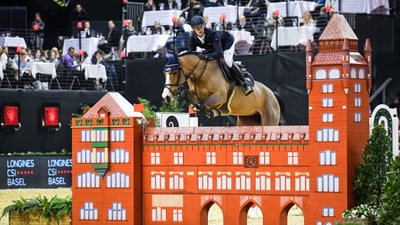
(216,44)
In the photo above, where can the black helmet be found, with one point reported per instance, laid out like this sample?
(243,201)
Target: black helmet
(197,21)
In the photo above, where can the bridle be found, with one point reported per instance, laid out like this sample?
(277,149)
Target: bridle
(187,76)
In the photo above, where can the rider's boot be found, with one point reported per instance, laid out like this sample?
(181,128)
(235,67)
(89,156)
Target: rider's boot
(237,72)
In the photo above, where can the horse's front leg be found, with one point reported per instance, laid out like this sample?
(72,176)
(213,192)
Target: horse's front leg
(211,105)
(191,98)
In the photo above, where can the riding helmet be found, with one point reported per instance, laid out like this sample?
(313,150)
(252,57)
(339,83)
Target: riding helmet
(197,21)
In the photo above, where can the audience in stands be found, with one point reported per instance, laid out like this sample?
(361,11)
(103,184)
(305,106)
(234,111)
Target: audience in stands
(79,13)
(87,31)
(193,8)
(25,70)
(244,25)
(129,30)
(53,58)
(39,56)
(171,5)
(38,32)
(112,39)
(157,28)
(69,61)
(213,3)
(307,19)
(258,9)
(110,69)
(149,6)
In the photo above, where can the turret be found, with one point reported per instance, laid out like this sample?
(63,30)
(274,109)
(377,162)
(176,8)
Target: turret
(346,65)
(309,59)
(368,59)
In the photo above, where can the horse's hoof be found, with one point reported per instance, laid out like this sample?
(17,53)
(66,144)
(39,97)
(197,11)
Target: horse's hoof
(210,114)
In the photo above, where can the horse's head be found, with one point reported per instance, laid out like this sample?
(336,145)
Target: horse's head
(174,79)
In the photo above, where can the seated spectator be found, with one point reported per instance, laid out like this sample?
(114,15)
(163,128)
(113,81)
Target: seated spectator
(129,30)
(112,39)
(110,69)
(158,29)
(171,5)
(39,56)
(258,9)
(186,27)
(25,68)
(53,58)
(244,25)
(87,31)
(69,61)
(213,3)
(307,19)
(55,49)
(193,8)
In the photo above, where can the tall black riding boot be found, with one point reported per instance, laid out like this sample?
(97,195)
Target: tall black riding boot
(237,73)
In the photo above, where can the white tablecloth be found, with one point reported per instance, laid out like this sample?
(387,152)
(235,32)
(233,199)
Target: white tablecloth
(365,6)
(146,43)
(12,42)
(214,13)
(164,16)
(242,36)
(97,71)
(1,73)
(44,68)
(292,36)
(88,44)
(295,8)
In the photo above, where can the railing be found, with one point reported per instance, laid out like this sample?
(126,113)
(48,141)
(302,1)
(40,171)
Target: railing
(379,90)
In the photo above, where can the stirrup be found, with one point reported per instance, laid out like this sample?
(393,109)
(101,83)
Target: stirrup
(247,89)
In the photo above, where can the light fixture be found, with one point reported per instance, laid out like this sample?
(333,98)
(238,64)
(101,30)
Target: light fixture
(10,118)
(50,117)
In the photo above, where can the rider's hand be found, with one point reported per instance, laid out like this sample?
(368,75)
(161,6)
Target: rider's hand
(203,56)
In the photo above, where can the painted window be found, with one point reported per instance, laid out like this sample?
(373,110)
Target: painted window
(88,212)
(100,157)
(177,215)
(243,181)
(119,155)
(263,181)
(158,214)
(293,158)
(178,158)
(205,181)
(320,74)
(282,182)
(327,88)
(353,73)
(327,102)
(327,157)
(265,158)
(157,180)
(357,117)
(327,135)
(155,158)
(357,102)
(328,183)
(99,135)
(117,135)
(237,158)
(84,156)
(86,135)
(328,211)
(211,157)
(334,73)
(302,182)
(224,181)
(327,117)
(117,180)
(357,88)
(88,180)
(318,223)
(176,181)
(361,73)
(116,212)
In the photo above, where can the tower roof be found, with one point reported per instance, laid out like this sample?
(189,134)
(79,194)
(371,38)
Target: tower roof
(115,104)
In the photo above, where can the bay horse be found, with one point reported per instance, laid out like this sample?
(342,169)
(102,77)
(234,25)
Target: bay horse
(210,92)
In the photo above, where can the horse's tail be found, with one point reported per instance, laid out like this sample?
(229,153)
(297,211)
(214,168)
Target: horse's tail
(282,120)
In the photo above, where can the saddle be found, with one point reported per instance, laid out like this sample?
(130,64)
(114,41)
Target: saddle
(248,77)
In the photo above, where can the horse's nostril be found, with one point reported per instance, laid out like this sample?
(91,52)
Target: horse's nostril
(167,99)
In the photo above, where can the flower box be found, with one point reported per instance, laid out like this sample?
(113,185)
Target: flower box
(361,221)
(35,219)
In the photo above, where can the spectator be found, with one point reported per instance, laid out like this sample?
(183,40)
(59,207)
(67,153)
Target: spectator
(39,56)
(53,58)
(158,29)
(69,60)
(87,31)
(110,69)
(213,3)
(112,40)
(57,52)
(171,5)
(258,9)
(149,6)
(38,32)
(129,30)
(79,14)
(193,8)
(244,25)
(307,19)
(25,68)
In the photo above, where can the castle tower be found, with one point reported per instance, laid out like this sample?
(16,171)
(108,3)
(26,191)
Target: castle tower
(107,168)
(338,81)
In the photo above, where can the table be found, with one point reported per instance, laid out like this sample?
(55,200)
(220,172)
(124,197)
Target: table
(12,42)
(295,8)
(365,6)
(97,71)
(214,13)
(146,43)
(44,68)
(88,44)
(164,16)
(293,36)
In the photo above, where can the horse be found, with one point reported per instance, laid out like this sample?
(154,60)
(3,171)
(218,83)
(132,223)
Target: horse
(210,92)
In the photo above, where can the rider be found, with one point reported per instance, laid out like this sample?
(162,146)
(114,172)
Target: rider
(216,44)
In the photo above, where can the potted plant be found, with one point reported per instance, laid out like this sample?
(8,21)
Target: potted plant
(39,211)
(361,214)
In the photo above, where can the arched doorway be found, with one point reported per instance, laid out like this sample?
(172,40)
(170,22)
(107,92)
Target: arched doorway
(211,214)
(251,214)
(292,215)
